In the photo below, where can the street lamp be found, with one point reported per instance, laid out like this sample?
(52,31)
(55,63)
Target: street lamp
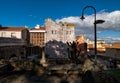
(95,31)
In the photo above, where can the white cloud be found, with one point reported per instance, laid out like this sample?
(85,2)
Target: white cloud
(112,39)
(86,27)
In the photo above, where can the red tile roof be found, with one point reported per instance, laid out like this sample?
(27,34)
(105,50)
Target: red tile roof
(12,28)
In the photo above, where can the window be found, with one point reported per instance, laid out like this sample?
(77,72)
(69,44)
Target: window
(13,35)
(3,34)
(54,31)
(70,32)
(66,32)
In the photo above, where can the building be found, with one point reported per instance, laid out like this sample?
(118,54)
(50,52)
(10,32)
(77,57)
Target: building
(57,34)
(37,36)
(13,41)
(114,50)
(15,32)
(37,40)
(101,46)
(80,39)
(64,32)
(82,45)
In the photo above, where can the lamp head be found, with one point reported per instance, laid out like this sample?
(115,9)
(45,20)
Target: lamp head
(82,18)
(99,21)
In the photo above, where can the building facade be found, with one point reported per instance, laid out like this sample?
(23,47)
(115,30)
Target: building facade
(37,36)
(15,32)
(57,34)
(64,32)
(37,40)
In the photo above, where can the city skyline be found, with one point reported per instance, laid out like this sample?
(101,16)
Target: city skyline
(32,12)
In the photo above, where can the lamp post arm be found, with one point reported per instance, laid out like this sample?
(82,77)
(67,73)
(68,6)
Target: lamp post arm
(92,8)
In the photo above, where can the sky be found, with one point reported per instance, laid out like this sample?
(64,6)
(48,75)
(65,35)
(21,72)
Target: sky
(32,12)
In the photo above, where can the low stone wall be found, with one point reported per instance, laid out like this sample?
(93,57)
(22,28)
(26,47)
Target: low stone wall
(98,77)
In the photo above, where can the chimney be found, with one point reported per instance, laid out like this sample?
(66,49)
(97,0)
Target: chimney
(37,26)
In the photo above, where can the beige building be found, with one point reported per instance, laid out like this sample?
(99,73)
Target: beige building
(13,41)
(15,32)
(57,34)
(64,32)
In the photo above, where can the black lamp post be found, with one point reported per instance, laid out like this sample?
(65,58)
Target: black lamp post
(95,31)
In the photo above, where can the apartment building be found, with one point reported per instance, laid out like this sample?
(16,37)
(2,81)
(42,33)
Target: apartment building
(37,36)
(37,40)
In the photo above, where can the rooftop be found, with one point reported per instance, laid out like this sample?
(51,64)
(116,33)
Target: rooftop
(12,28)
(40,28)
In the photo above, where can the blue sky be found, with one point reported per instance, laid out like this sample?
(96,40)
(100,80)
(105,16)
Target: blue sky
(32,12)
